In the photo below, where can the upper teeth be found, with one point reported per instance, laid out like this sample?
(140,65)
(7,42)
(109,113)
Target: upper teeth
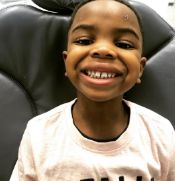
(100,75)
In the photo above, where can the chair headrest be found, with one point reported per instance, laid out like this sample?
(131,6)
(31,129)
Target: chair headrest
(61,6)
(155,37)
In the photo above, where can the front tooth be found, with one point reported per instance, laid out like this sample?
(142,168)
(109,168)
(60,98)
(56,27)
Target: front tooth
(104,75)
(92,74)
(97,74)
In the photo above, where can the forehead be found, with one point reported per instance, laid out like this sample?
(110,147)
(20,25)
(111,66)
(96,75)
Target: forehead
(106,11)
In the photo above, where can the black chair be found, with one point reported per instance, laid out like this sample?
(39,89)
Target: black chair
(32,69)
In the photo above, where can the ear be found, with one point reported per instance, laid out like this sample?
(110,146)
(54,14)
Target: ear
(64,58)
(142,66)
(64,55)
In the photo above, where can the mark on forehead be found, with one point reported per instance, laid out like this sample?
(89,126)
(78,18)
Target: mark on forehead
(126,17)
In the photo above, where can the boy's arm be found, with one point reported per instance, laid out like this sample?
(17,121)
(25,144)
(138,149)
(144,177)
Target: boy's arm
(24,169)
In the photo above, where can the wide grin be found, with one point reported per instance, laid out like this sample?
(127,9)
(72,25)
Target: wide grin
(99,75)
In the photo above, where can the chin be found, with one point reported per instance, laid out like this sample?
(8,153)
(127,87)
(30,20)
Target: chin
(101,99)
(99,95)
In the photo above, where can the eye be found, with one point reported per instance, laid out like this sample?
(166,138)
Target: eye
(124,45)
(83,41)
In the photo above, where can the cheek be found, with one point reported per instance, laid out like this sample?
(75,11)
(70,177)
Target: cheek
(135,57)
(71,66)
(134,68)
(76,50)
(133,65)
(72,56)
(76,54)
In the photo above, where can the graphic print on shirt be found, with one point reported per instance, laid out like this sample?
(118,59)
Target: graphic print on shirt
(121,178)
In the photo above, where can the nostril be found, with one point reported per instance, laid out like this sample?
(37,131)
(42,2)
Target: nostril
(109,56)
(96,54)
(103,52)
(102,55)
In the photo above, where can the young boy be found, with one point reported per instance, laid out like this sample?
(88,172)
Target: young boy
(99,136)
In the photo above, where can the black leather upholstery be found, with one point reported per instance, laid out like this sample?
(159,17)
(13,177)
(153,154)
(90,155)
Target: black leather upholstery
(32,71)
(59,6)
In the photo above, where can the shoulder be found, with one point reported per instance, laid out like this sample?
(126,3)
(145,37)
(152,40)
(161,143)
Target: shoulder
(158,127)
(150,117)
(50,119)
(46,129)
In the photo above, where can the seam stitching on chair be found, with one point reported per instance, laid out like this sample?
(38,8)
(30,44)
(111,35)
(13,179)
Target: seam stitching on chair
(26,93)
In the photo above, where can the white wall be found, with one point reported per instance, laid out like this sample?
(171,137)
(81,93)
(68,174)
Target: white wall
(162,8)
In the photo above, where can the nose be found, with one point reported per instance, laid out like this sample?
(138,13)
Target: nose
(103,52)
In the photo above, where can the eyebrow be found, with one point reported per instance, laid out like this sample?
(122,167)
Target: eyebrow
(115,31)
(127,30)
(83,27)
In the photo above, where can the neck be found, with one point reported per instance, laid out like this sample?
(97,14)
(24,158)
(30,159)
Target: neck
(100,120)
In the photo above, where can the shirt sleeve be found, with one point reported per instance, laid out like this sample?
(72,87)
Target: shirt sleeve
(171,174)
(24,169)
(14,176)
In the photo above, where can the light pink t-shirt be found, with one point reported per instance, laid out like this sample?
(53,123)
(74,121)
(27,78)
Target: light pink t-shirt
(52,149)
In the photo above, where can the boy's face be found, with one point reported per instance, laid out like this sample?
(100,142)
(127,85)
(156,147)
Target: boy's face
(103,58)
